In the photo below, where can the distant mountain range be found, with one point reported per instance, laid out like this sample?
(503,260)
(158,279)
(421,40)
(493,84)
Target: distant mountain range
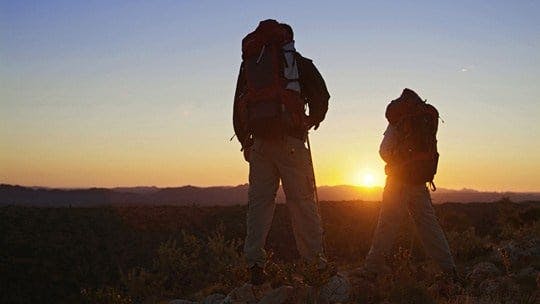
(210,196)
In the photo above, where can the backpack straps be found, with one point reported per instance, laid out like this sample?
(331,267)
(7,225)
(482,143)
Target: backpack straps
(314,89)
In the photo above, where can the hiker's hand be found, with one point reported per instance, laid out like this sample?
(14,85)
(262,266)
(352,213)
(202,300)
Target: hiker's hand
(247,153)
(246,147)
(310,122)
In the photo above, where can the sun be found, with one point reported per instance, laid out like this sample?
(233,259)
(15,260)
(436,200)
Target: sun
(366,178)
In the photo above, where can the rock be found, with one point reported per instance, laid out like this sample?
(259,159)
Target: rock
(337,289)
(262,290)
(302,293)
(241,295)
(497,287)
(278,295)
(514,253)
(482,271)
(216,298)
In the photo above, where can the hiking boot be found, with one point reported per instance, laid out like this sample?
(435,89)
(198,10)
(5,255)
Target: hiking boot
(326,272)
(258,276)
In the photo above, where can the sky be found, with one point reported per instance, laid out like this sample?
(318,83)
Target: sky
(128,93)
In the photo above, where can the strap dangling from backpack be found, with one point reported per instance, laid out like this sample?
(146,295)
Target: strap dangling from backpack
(261,54)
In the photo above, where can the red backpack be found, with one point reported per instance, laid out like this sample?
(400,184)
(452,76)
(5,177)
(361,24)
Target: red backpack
(268,108)
(416,123)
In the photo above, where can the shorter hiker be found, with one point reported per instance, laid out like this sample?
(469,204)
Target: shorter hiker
(274,86)
(409,148)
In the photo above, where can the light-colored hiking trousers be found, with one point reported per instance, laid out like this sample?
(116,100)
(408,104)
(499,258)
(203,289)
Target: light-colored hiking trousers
(398,198)
(288,160)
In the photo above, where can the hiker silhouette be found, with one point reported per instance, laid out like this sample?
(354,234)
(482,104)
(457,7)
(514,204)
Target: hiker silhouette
(275,84)
(409,148)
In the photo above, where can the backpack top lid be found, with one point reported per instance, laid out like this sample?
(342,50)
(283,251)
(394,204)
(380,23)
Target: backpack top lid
(409,103)
(267,32)
(409,95)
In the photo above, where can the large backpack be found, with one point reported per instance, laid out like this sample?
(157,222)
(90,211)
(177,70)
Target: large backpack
(271,103)
(416,124)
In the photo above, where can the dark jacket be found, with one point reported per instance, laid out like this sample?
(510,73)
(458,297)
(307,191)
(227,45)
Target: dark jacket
(313,90)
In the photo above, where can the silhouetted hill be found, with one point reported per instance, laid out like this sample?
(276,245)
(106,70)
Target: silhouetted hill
(142,189)
(217,196)
(201,196)
(19,195)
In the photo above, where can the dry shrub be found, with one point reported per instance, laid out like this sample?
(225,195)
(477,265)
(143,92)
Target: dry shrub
(467,245)
(191,267)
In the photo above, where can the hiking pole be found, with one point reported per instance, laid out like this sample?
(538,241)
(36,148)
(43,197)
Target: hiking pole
(317,203)
(313,172)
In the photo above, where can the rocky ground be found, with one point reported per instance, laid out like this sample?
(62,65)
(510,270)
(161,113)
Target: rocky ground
(510,274)
(159,254)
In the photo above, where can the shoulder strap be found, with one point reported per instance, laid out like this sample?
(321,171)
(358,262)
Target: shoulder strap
(313,88)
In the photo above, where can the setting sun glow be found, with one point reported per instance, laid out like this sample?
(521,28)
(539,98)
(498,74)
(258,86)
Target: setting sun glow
(366,178)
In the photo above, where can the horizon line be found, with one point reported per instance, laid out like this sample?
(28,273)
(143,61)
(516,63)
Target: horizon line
(238,185)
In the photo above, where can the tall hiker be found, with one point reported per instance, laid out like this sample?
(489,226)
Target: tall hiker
(409,148)
(274,86)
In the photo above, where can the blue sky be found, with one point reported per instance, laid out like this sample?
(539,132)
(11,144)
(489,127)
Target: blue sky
(106,93)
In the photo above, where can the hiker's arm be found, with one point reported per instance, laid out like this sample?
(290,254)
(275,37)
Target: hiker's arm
(314,91)
(239,127)
(388,145)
